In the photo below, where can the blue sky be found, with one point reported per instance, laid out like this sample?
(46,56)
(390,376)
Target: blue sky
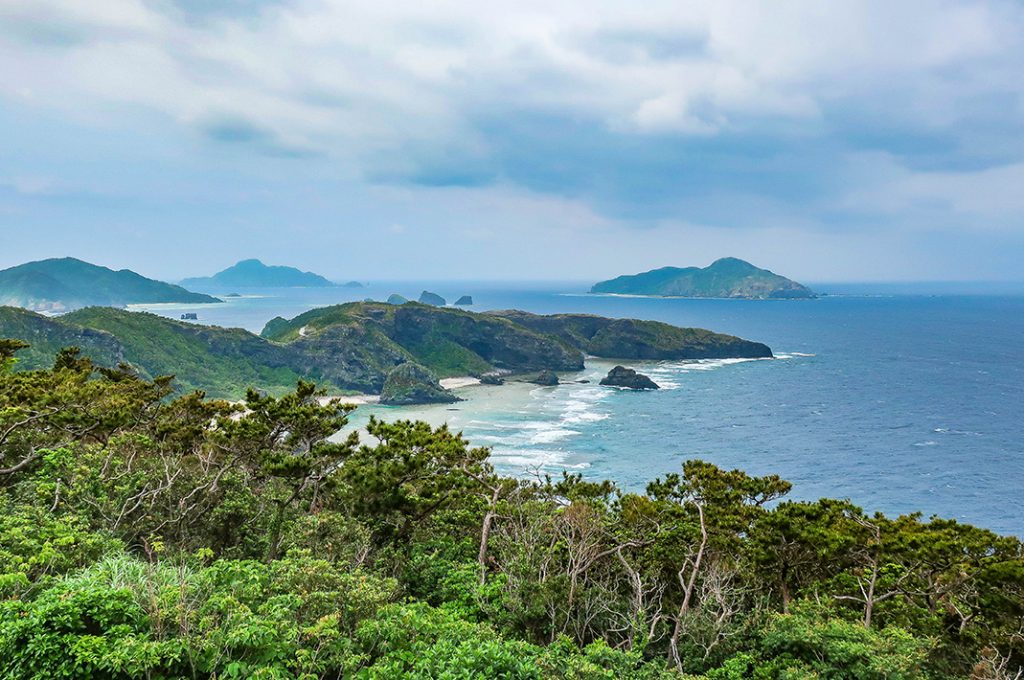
(577,140)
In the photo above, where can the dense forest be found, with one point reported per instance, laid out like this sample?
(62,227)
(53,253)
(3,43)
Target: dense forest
(148,535)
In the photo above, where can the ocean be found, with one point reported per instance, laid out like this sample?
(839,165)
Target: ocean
(901,398)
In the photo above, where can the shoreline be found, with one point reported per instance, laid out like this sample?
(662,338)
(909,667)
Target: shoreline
(362,399)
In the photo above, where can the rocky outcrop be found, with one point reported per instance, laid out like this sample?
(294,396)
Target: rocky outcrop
(491,379)
(636,339)
(464,301)
(428,298)
(545,378)
(396,299)
(410,383)
(620,376)
(354,345)
(351,356)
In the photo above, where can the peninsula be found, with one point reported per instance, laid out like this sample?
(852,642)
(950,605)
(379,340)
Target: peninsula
(355,347)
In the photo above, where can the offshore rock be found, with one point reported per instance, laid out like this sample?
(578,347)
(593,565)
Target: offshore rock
(620,376)
(428,298)
(546,378)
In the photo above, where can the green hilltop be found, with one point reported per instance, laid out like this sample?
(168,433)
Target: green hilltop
(67,283)
(728,277)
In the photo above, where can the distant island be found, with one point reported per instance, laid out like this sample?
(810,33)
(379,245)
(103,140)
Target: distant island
(255,274)
(728,277)
(356,346)
(63,284)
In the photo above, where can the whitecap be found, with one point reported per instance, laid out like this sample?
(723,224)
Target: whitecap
(552,435)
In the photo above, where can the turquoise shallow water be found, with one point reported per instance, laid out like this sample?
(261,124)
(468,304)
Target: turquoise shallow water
(898,401)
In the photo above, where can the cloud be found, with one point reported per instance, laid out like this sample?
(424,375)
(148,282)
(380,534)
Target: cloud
(820,117)
(360,80)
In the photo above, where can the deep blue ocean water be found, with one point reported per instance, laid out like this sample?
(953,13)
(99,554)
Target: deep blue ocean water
(899,400)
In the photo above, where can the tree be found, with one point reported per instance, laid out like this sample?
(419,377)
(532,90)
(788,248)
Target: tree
(711,510)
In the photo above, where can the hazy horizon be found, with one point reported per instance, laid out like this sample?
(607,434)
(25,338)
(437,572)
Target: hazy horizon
(866,142)
(965,286)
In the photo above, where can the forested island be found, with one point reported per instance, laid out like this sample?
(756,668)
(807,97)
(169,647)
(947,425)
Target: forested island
(728,277)
(144,534)
(254,274)
(353,347)
(62,284)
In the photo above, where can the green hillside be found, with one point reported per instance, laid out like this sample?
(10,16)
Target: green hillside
(47,336)
(728,277)
(67,283)
(221,361)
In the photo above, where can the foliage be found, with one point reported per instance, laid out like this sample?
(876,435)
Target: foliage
(144,534)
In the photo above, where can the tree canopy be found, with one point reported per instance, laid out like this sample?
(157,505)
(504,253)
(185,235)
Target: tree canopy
(148,535)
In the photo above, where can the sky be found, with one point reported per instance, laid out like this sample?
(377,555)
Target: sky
(582,139)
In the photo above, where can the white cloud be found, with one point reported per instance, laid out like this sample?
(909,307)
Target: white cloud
(356,79)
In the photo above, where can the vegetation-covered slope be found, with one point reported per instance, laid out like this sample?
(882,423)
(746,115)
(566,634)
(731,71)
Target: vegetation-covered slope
(255,274)
(635,339)
(142,537)
(728,277)
(221,361)
(48,335)
(67,283)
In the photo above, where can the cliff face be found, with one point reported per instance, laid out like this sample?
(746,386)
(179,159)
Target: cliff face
(351,356)
(636,339)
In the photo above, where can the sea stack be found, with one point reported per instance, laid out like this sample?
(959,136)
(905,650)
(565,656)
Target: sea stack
(545,378)
(620,376)
(428,298)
